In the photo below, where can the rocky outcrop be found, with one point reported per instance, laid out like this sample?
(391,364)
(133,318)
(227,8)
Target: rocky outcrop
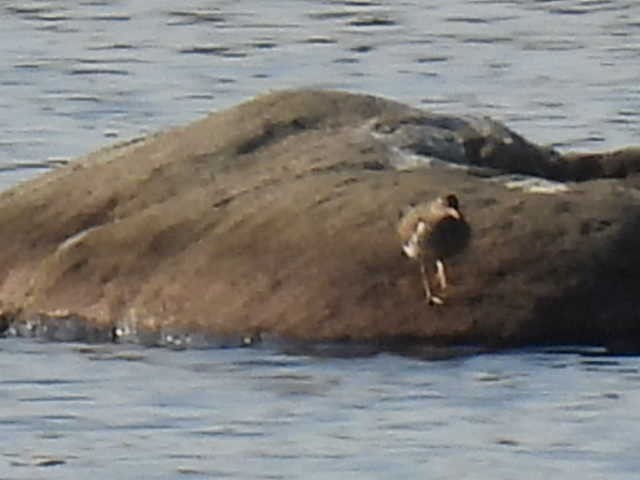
(277,218)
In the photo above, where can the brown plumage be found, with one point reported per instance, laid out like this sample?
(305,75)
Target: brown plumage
(430,232)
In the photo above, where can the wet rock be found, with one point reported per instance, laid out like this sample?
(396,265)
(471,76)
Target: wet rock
(5,321)
(57,326)
(277,218)
(483,142)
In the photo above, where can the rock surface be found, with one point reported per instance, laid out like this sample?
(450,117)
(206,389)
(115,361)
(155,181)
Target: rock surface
(277,217)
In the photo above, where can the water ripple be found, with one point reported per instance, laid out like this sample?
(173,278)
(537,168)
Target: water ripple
(200,407)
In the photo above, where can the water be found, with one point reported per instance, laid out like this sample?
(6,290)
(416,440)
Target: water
(78,75)
(80,411)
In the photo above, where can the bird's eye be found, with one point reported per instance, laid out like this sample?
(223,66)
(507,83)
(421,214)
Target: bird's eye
(452,201)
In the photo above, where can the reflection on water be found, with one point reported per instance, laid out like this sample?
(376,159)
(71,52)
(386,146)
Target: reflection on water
(79,411)
(77,75)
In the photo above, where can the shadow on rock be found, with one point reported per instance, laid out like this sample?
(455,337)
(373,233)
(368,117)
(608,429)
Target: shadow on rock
(604,306)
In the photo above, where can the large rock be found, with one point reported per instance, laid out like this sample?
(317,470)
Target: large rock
(278,217)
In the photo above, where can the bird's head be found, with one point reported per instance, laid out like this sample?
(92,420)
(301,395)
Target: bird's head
(452,205)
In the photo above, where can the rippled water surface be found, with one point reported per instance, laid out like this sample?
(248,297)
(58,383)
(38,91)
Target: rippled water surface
(108,411)
(78,75)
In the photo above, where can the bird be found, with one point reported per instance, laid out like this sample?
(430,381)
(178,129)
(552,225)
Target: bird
(431,231)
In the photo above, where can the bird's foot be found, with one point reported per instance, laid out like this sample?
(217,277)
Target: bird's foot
(433,300)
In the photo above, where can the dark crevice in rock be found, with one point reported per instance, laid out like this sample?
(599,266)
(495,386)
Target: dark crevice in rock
(223,202)
(374,165)
(5,321)
(87,221)
(273,132)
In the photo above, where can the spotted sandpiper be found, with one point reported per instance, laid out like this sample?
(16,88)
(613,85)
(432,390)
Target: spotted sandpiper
(430,232)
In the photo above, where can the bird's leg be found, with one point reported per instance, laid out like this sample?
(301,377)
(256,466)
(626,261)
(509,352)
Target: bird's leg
(440,273)
(431,298)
